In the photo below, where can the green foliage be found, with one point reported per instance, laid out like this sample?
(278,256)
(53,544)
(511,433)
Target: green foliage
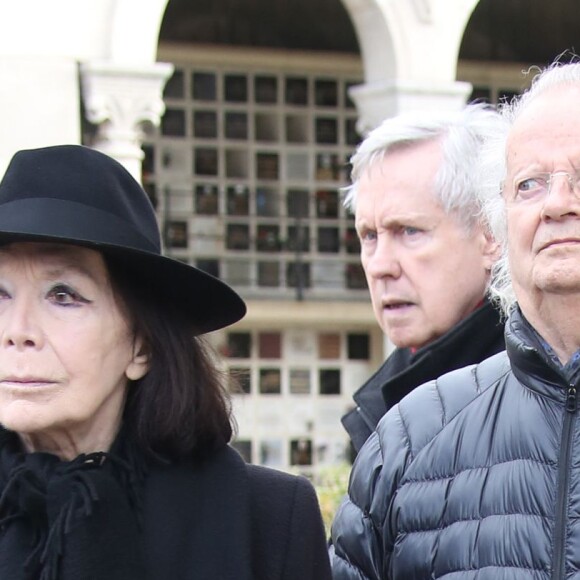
(331,484)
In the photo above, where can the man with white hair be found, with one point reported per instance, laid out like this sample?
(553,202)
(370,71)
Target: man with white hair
(477,474)
(425,250)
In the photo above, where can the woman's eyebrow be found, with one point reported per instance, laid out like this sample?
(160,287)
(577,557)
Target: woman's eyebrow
(58,271)
(67,258)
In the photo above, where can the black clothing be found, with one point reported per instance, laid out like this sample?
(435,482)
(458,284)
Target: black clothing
(68,520)
(226,520)
(117,516)
(474,475)
(472,340)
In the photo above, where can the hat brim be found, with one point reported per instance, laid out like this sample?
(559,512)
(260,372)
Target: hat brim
(207,302)
(72,194)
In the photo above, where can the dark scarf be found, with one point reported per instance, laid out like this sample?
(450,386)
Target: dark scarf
(69,520)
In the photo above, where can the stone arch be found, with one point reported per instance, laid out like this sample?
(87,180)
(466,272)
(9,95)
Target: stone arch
(374,37)
(500,31)
(410,50)
(132,43)
(410,39)
(294,25)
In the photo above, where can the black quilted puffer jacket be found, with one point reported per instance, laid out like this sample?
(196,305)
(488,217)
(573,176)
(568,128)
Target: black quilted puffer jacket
(473,476)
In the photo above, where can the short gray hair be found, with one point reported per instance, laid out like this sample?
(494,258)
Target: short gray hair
(493,169)
(461,134)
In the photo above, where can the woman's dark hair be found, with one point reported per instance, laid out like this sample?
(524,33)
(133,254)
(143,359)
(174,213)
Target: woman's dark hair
(181,406)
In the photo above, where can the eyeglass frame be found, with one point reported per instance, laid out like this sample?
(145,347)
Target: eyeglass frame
(547,177)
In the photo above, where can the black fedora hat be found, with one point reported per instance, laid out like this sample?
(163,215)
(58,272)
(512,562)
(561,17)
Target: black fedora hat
(76,195)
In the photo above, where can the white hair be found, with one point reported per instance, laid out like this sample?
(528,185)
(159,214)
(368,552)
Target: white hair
(461,134)
(493,169)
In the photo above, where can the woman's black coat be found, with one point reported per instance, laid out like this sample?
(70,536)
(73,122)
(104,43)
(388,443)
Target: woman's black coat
(227,520)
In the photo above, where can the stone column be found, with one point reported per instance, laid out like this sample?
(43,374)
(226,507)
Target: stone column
(120,99)
(377,101)
(409,50)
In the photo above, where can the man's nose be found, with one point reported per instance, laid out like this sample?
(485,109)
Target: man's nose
(384,261)
(562,199)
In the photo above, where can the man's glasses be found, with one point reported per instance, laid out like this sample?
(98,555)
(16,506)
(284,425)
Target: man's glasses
(538,186)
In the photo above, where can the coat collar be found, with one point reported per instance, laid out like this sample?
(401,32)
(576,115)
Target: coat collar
(530,364)
(474,338)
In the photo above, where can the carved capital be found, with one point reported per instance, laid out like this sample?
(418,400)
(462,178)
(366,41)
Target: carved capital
(378,101)
(120,99)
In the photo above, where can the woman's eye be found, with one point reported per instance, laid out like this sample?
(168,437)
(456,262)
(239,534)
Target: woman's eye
(66,296)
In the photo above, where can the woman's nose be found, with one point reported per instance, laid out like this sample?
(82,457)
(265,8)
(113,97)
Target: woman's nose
(19,327)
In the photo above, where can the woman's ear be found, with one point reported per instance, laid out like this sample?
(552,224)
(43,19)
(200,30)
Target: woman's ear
(138,366)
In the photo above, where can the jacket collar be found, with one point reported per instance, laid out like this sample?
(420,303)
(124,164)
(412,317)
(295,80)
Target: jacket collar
(473,339)
(402,371)
(530,363)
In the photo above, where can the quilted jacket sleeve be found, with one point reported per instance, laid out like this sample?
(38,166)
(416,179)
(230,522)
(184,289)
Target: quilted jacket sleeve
(365,528)
(361,535)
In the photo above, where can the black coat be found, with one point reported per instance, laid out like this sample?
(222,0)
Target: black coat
(132,518)
(474,475)
(475,338)
(227,520)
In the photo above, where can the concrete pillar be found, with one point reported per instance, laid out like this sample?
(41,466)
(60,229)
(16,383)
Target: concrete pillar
(38,103)
(120,99)
(377,101)
(409,50)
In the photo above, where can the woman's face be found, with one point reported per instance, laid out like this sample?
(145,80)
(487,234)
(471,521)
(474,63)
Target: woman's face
(66,349)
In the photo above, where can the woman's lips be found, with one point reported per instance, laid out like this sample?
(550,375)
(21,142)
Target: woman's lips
(26,382)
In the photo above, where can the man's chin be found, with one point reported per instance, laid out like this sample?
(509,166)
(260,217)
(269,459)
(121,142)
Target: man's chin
(558,284)
(406,339)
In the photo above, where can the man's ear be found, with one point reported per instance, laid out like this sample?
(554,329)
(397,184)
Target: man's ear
(138,366)
(490,250)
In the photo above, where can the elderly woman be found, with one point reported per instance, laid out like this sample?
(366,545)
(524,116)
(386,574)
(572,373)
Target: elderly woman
(114,456)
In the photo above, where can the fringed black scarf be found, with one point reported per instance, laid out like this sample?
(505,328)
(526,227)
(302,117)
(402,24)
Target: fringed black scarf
(70,520)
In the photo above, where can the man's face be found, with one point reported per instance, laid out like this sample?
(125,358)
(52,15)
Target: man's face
(425,272)
(544,228)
